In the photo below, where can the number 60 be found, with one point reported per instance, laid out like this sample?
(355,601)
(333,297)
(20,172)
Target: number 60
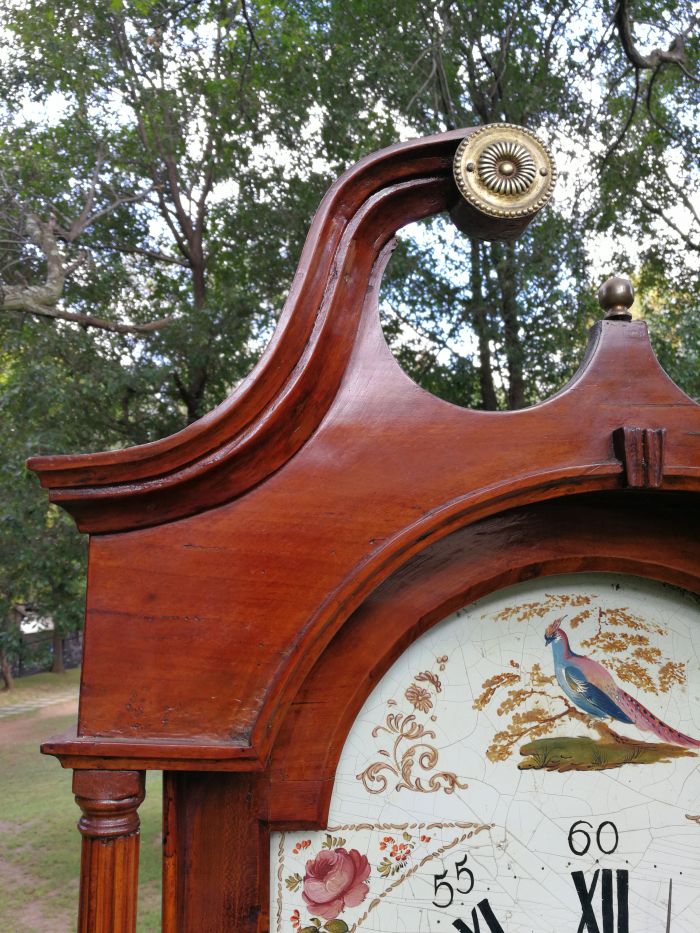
(586,843)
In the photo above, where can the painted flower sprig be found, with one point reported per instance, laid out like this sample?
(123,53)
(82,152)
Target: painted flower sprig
(398,853)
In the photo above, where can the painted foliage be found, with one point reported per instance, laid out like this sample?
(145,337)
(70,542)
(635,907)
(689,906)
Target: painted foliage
(582,693)
(533,755)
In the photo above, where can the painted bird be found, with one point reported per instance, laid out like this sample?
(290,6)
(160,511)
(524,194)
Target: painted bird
(590,687)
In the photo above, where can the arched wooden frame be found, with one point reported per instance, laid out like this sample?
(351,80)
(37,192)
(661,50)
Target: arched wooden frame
(578,441)
(648,535)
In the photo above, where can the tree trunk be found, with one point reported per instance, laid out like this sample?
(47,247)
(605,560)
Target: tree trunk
(504,262)
(6,672)
(58,666)
(192,394)
(13,628)
(199,282)
(479,321)
(192,391)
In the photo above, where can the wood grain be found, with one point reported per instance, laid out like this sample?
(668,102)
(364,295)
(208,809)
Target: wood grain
(641,450)
(220,879)
(247,596)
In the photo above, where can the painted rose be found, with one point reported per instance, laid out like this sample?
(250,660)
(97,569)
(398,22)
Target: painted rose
(334,880)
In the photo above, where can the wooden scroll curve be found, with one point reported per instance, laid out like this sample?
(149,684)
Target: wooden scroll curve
(277,407)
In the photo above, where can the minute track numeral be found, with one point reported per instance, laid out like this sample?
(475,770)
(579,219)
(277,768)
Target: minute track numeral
(444,889)
(583,840)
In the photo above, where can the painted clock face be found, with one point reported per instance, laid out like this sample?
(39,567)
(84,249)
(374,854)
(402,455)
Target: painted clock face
(529,765)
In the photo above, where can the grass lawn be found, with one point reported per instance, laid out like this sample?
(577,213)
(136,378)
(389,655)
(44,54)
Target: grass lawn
(39,687)
(40,851)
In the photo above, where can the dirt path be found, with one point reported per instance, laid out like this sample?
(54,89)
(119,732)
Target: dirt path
(14,728)
(33,916)
(39,871)
(37,703)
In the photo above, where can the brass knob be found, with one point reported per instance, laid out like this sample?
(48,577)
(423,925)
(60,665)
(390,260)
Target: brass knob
(615,297)
(504,171)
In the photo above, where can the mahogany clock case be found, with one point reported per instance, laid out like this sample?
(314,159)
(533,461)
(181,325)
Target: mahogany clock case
(252,577)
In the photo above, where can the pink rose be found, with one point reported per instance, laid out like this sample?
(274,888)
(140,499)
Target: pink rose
(335,880)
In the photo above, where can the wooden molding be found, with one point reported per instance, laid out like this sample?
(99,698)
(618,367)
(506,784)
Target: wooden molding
(297,556)
(109,801)
(654,537)
(641,451)
(252,577)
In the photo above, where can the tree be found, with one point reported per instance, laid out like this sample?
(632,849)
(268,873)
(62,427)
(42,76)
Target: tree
(162,112)
(168,109)
(562,69)
(160,178)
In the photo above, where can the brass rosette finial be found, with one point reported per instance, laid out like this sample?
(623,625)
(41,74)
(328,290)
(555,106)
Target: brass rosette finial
(504,171)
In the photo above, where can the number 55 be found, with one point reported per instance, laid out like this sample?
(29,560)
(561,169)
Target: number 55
(461,871)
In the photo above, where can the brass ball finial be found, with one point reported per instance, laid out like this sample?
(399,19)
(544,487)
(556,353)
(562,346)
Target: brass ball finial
(615,296)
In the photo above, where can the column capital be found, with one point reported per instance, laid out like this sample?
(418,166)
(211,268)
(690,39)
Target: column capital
(109,801)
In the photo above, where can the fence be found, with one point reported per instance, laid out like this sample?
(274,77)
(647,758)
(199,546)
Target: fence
(35,652)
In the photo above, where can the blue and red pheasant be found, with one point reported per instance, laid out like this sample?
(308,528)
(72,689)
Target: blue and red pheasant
(592,689)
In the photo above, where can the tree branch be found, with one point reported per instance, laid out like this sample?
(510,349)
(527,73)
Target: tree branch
(682,194)
(27,306)
(181,236)
(42,300)
(133,250)
(654,209)
(652,116)
(654,62)
(85,219)
(249,25)
(633,109)
(674,54)
(424,332)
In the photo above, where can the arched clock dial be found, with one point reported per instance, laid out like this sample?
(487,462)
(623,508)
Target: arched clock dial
(528,765)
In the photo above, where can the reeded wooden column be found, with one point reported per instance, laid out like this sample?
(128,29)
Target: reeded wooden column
(110,857)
